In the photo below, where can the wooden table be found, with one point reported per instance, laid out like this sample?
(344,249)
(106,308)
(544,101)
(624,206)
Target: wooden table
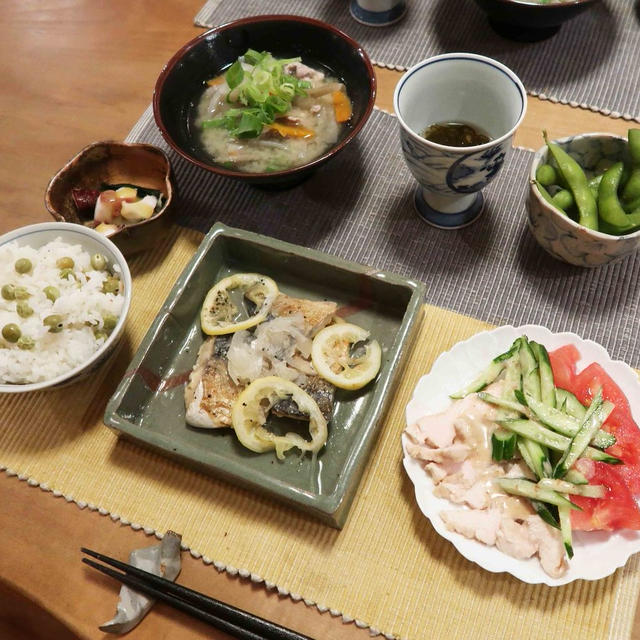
(74,72)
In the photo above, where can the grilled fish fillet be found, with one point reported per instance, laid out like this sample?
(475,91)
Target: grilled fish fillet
(210,392)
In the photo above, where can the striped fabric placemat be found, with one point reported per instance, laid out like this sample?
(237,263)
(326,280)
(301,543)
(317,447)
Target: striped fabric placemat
(493,270)
(592,62)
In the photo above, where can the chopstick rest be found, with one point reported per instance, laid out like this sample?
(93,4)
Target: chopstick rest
(236,622)
(133,606)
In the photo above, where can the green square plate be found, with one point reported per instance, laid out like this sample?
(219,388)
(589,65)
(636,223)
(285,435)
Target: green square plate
(154,414)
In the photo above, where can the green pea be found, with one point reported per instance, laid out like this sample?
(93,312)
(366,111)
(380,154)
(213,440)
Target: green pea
(546,175)
(563,199)
(111,285)
(98,262)
(100,334)
(54,322)
(67,273)
(8,291)
(26,343)
(11,332)
(65,263)
(109,322)
(24,309)
(52,293)
(21,293)
(23,265)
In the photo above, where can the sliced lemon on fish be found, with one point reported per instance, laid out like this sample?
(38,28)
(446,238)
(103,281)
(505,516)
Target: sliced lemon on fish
(219,313)
(251,411)
(344,355)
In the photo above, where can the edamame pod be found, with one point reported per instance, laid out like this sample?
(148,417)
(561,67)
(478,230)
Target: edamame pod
(609,206)
(575,177)
(631,189)
(547,196)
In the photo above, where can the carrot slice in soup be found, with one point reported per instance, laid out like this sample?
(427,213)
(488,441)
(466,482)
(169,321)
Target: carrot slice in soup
(290,131)
(341,106)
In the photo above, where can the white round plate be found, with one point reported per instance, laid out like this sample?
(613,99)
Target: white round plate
(597,554)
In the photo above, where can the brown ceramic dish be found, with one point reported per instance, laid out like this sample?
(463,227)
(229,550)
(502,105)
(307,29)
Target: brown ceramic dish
(183,78)
(112,163)
(528,21)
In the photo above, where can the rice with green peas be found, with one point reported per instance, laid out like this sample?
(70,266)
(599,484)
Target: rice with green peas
(54,334)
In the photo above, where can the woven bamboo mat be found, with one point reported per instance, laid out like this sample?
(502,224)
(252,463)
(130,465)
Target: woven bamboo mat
(387,568)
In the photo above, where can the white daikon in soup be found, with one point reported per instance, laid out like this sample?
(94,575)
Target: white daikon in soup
(265,114)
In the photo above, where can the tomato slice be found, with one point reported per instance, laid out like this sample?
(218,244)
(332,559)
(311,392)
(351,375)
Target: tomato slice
(617,510)
(563,364)
(620,423)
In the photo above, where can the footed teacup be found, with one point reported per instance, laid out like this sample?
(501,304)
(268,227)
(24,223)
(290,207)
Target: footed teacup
(456,88)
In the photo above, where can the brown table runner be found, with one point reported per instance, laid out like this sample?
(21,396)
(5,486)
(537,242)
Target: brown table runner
(593,62)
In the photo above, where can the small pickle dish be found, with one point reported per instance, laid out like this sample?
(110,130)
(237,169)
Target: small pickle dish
(594,228)
(65,295)
(123,190)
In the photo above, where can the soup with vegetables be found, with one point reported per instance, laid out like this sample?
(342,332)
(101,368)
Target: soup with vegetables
(266,114)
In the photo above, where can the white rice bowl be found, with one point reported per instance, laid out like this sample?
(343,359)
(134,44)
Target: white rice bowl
(59,357)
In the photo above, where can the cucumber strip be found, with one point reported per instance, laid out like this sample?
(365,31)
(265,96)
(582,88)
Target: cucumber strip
(563,486)
(544,511)
(547,388)
(593,420)
(530,373)
(540,458)
(512,375)
(527,457)
(528,489)
(503,444)
(564,515)
(495,368)
(576,477)
(568,425)
(505,403)
(483,380)
(536,432)
(572,405)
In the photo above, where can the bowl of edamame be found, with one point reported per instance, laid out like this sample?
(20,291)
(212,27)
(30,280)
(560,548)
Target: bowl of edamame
(584,197)
(531,20)
(65,292)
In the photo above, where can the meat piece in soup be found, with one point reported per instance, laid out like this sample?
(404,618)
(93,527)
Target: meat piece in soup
(266,115)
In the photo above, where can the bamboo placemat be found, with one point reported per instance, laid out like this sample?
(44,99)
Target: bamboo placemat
(592,62)
(387,568)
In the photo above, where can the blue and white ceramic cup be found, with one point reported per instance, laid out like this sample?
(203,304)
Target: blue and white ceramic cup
(377,13)
(456,87)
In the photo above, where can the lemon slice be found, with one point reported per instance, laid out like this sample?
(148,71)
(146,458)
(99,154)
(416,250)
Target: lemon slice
(335,361)
(251,410)
(219,312)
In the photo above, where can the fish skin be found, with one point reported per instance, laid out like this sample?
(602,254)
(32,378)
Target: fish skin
(211,393)
(319,389)
(315,314)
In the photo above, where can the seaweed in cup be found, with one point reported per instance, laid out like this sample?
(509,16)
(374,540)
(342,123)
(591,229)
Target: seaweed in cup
(456,134)
(268,114)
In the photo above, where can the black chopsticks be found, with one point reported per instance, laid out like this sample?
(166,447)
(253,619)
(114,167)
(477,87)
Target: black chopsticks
(236,622)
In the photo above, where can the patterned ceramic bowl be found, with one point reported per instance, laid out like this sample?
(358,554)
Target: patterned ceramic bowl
(463,88)
(556,233)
